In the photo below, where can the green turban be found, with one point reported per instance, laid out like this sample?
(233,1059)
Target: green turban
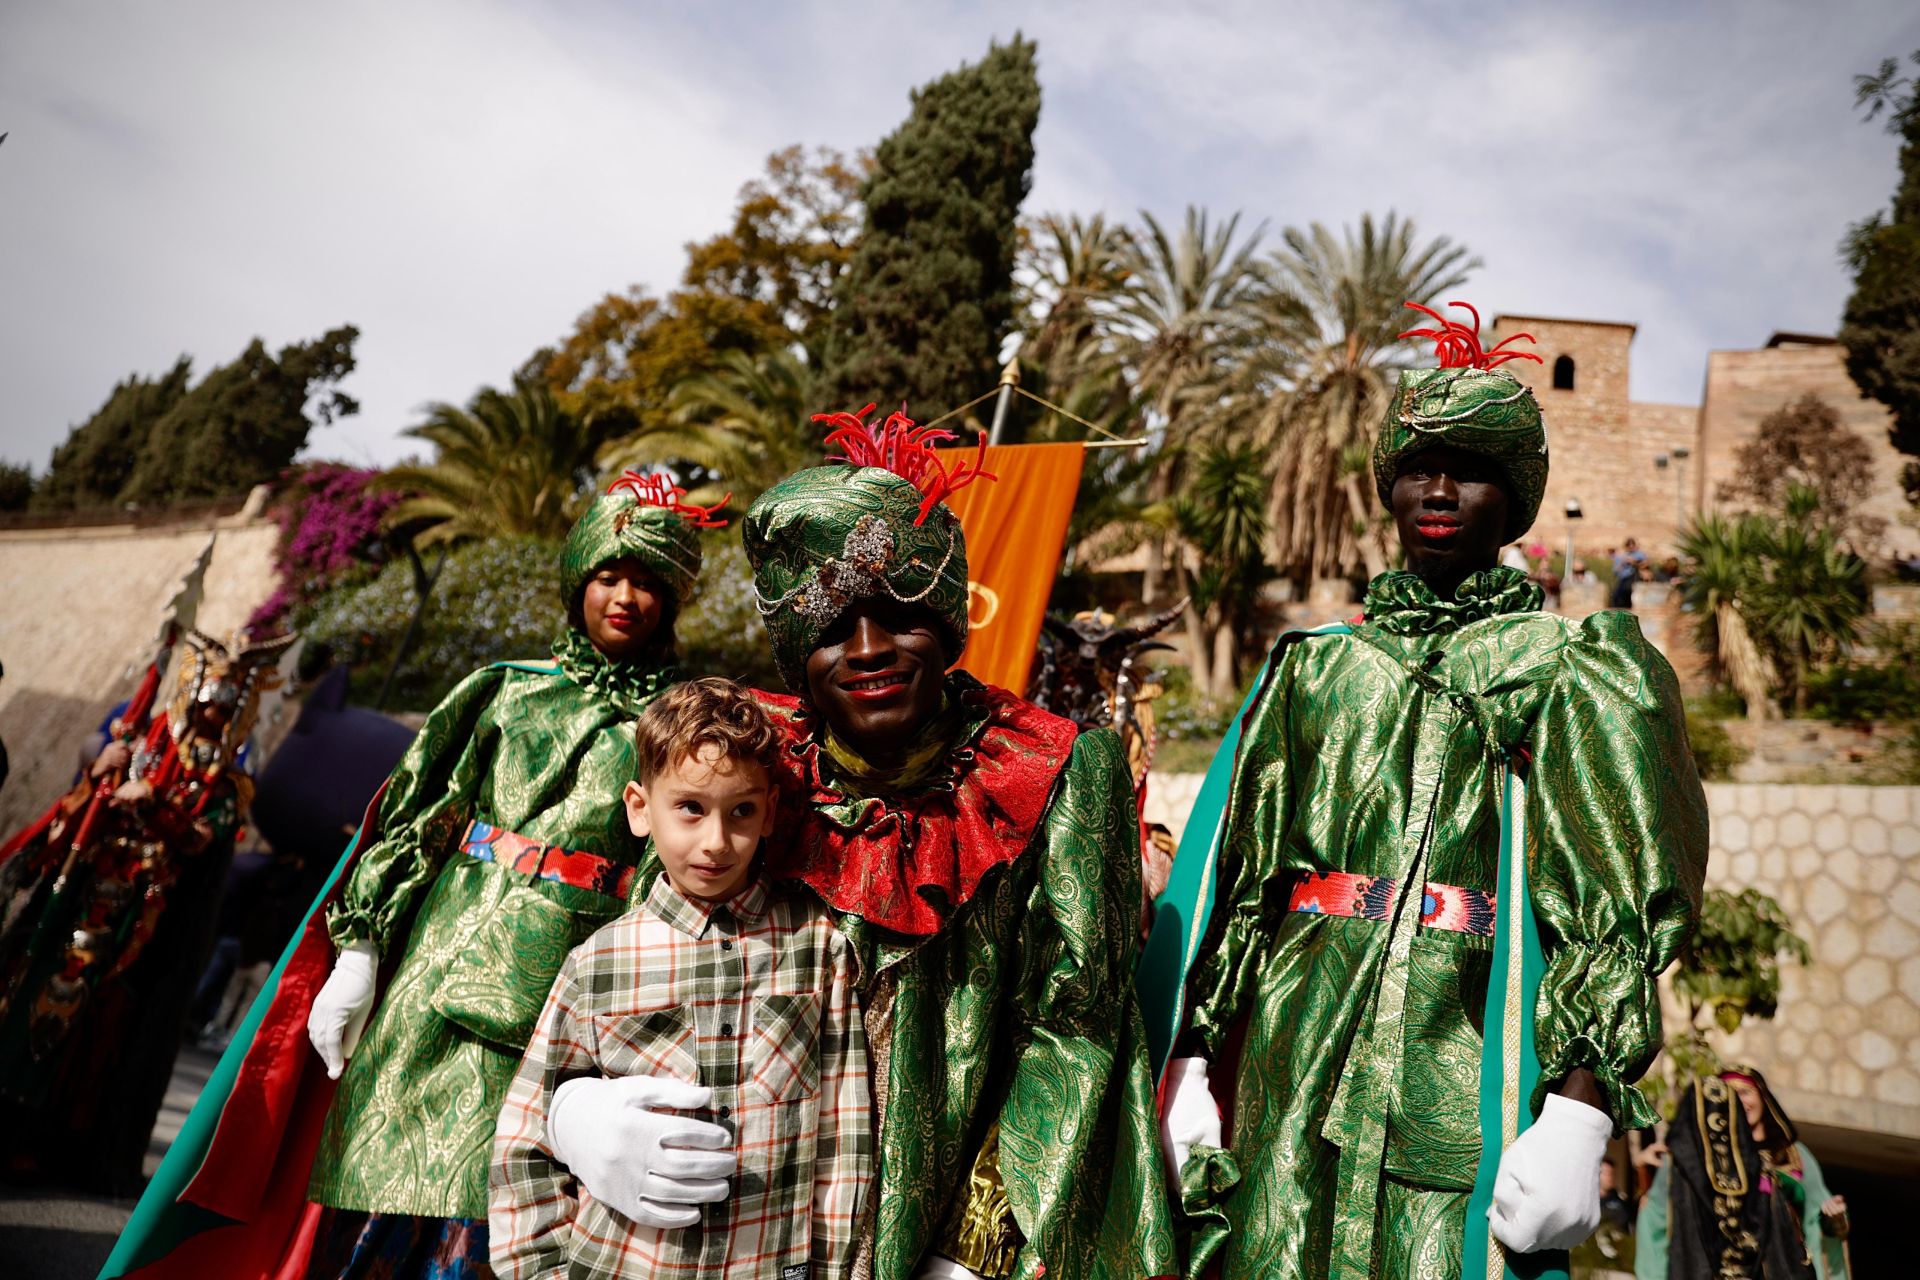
(657,530)
(1485,411)
(825,538)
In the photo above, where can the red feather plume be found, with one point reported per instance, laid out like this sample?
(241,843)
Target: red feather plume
(897,445)
(1459,347)
(654,489)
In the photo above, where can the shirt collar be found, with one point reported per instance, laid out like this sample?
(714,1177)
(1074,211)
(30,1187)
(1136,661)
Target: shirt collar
(692,917)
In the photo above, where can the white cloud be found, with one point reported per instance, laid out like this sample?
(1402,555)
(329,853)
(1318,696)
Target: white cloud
(462,179)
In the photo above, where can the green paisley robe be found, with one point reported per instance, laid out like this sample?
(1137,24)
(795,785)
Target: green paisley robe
(1015,1111)
(541,749)
(1379,753)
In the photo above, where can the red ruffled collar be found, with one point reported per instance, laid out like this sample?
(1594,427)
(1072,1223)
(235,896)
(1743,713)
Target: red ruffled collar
(907,862)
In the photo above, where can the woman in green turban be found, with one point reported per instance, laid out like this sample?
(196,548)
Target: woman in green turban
(1461,841)
(498,844)
(983,858)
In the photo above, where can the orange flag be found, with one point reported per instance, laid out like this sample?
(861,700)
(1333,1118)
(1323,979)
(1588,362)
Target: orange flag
(1016,527)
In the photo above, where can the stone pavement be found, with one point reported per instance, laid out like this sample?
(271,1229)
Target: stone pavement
(56,1234)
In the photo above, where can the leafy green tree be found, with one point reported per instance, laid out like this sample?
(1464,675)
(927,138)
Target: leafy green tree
(793,234)
(923,305)
(1334,325)
(94,464)
(511,464)
(1881,326)
(1728,971)
(244,421)
(1724,553)
(16,486)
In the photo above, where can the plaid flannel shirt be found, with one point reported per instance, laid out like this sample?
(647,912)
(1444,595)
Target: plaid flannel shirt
(754,998)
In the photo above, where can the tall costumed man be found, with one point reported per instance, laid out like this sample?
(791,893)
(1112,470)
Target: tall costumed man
(1455,815)
(982,857)
(349,1130)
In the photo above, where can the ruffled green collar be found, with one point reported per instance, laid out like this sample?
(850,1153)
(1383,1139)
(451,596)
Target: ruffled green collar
(929,759)
(627,685)
(1401,603)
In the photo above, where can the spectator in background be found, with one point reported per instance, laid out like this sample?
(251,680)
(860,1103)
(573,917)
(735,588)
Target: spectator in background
(1780,1224)
(1627,564)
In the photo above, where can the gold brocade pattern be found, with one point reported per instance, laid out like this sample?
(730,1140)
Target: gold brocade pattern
(1021,1013)
(530,750)
(1379,753)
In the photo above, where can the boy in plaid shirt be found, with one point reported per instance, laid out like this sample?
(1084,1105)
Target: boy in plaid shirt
(742,996)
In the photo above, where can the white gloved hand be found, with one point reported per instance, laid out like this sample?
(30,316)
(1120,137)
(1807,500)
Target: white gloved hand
(626,1146)
(339,1012)
(935,1267)
(1192,1117)
(1547,1192)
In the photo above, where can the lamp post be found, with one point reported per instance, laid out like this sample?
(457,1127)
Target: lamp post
(1566,574)
(1680,455)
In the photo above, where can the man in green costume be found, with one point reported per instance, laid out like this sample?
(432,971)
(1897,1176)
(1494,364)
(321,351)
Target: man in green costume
(1416,796)
(982,856)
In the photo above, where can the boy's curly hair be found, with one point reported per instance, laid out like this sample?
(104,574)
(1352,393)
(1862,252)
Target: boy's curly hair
(711,711)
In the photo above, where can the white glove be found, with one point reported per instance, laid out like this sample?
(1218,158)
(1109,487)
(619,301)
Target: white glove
(1547,1192)
(626,1146)
(1192,1117)
(935,1267)
(339,1012)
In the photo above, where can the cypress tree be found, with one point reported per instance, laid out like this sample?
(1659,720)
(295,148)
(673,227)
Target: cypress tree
(921,309)
(93,465)
(1881,326)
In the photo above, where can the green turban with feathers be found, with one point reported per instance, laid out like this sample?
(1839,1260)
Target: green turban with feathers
(870,524)
(643,517)
(1472,404)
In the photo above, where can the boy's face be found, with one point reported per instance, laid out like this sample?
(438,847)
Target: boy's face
(706,814)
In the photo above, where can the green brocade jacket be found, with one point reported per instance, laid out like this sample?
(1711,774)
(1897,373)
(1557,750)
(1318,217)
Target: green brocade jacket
(1016,1128)
(1379,752)
(540,749)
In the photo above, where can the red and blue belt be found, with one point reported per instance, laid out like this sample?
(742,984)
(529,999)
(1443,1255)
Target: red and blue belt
(1442,906)
(528,857)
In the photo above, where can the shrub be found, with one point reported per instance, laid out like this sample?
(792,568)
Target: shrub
(1715,753)
(499,599)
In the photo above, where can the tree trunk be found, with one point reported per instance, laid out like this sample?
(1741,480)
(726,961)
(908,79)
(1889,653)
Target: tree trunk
(1199,663)
(1226,665)
(1371,552)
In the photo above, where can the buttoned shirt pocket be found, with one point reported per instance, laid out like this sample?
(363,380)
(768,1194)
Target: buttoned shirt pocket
(648,1042)
(784,1059)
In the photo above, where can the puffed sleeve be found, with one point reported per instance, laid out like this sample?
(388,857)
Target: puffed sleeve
(1248,902)
(1620,850)
(431,790)
(1079,1151)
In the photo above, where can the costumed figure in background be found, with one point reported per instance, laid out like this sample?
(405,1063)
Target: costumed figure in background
(1091,670)
(109,904)
(497,845)
(1740,1197)
(1454,815)
(980,854)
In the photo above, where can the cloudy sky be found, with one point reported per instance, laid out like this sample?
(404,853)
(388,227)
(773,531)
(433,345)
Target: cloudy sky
(462,179)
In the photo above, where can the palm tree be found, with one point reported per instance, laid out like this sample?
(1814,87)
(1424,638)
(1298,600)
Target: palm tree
(512,463)
(1811,595)
(746,422)
(1339,313)
(1222,517)
(1189,299)
(1074,269)
(1724,554)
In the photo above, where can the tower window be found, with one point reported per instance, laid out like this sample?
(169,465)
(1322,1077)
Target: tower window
(1563,373)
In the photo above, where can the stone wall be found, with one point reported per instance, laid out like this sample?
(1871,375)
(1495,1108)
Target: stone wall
(1844,1050)
(1743,387)
(1603,445)
(83,606)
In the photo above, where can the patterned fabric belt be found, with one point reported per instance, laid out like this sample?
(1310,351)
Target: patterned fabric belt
(528,857)
(1444,906)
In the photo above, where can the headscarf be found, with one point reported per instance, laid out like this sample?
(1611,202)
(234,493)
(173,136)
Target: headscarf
(643,516)
(872,523)
(1722,1224)
(1468,403)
